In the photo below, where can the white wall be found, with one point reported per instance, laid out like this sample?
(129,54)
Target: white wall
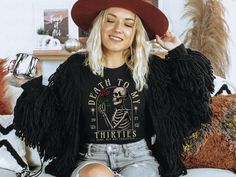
(230,6)
(175,8)
(19,20)
(16,30)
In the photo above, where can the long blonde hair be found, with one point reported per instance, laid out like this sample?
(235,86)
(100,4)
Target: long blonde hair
(136,57)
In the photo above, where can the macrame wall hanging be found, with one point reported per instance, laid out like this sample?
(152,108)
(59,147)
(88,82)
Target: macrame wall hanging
(209,32)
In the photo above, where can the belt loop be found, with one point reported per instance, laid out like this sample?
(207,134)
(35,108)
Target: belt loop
(89,149)
(126,150)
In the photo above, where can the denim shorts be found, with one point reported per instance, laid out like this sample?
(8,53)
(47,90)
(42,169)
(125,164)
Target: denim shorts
(124,160)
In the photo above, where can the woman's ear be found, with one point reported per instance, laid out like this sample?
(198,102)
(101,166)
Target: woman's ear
(5,107)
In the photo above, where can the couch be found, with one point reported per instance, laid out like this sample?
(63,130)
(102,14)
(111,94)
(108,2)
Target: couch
(32,157)
(200,172)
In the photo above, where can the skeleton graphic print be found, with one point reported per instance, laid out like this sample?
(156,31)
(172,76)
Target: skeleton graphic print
(114,106)
(121,116)
(113,109)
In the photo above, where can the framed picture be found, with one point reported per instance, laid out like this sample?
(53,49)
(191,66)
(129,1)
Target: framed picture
(55,16)
(56,23)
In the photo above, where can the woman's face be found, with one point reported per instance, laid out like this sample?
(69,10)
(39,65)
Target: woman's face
(118,30)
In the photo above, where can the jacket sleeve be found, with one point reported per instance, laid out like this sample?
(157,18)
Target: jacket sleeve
(180,86)
(46,117)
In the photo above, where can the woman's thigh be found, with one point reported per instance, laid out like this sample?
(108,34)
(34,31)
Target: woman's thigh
(96,170)
(92,167)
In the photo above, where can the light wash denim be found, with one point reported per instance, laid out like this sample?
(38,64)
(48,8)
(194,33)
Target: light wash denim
(125,160)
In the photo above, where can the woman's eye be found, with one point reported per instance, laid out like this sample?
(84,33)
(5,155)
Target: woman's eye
(129,25)
(110,21)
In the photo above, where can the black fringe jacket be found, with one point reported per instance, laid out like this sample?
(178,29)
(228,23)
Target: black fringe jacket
(47,117)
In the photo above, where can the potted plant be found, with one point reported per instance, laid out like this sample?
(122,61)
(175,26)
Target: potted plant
(42,31)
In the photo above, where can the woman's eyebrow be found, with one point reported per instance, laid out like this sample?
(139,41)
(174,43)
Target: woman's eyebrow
(116,16)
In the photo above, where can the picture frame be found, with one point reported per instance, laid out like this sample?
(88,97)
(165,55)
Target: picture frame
(56,23)
(39,8)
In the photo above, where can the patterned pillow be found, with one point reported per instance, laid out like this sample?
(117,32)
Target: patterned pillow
(12,149)
(214,145)
(223,86)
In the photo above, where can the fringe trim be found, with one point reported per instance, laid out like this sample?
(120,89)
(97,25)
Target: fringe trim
(181,90)
(47,118)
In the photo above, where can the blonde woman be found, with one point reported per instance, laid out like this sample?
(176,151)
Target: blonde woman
(98,113)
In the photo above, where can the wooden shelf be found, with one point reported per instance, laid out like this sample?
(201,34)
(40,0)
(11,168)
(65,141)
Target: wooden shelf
(55,55)
(51,54)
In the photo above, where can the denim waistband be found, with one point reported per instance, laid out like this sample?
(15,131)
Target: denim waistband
(104,147)
(118,156)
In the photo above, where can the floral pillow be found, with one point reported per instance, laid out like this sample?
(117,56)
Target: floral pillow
(214,145)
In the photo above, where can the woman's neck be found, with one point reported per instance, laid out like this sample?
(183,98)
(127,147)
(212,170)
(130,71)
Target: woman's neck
(113,60)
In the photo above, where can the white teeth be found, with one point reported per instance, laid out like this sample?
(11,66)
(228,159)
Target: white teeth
(115,38)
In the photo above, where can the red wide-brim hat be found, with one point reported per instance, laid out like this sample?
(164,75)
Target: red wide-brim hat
(155,22)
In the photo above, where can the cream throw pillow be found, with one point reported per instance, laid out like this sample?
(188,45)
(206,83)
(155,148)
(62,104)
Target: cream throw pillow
(12,150)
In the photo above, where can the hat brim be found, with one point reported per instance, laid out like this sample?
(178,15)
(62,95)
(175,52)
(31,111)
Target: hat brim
(155,22)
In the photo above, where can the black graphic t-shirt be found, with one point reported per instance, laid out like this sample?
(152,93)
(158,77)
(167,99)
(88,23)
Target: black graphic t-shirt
(112,110)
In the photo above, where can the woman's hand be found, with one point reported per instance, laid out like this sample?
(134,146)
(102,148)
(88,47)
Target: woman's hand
(169,41)
(21,81)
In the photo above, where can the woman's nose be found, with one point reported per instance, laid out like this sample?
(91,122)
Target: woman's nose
(118,27)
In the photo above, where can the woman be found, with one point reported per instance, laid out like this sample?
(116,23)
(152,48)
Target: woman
(98,113)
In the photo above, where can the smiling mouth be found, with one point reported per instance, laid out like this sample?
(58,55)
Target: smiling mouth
(116,38)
